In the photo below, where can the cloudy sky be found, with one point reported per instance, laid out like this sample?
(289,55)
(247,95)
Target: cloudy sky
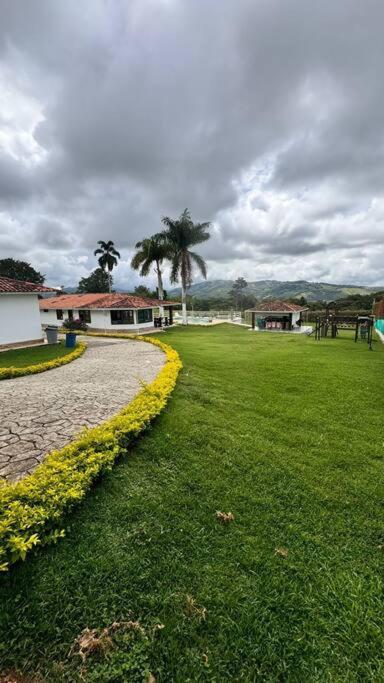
(265,117)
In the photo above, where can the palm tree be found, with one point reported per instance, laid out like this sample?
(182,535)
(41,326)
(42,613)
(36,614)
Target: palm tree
(151,250)
(108,258)
(181,234)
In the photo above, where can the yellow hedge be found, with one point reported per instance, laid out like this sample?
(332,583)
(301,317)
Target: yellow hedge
(31,509)
(8,373)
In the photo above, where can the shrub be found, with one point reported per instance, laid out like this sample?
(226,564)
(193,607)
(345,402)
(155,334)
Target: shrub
(8,373)
(32,507)
(75,325)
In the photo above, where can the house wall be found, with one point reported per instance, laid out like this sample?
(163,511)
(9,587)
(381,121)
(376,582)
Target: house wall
(100,320)
(295,318)
(19,318)
(48,318)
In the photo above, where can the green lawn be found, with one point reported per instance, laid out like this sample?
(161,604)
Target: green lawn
(19,358)
(286,433)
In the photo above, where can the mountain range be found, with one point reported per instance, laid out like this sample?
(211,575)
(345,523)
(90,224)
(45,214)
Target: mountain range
(263,289)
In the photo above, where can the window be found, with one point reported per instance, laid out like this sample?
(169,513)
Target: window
(85,316)
(59,314)
(70,315)
(122,318)
(144,315)
(45,310)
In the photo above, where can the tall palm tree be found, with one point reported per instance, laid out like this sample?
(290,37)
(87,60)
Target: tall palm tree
(151,250)
(108,258)
(181,234)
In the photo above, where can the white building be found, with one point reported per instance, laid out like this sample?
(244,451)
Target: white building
(278,315)
(105,312)
(20,322)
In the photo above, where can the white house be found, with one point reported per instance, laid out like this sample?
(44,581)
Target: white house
(122,312)
(278,315)
(19,312)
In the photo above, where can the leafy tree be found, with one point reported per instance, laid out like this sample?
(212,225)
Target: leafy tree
(20,270)
(180,236)
(237,291)
(300,301)
(359,301)
(108,258)
(151,251)
(97,281)
(142,290)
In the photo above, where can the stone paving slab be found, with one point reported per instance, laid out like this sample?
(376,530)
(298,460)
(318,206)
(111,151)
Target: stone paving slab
(42,412)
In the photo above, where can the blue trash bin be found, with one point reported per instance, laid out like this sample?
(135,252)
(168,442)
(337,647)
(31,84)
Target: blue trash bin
(70,340)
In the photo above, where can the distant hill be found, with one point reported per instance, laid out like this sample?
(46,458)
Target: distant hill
(263,289)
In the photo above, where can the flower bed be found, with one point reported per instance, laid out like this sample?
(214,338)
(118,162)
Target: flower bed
(10,372)
(32,508)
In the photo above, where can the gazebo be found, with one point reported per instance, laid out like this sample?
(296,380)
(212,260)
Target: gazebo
(277,315)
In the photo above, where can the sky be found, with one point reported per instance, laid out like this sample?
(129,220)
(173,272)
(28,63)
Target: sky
(264,117)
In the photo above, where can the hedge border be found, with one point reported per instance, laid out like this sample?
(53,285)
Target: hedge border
(31,509)
(11,372)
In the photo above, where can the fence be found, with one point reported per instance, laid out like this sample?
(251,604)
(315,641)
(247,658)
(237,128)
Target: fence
(218,315)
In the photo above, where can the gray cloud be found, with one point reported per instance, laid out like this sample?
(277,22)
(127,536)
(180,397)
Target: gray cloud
(262,117)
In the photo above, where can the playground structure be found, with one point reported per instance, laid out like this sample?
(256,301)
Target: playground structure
(330,324)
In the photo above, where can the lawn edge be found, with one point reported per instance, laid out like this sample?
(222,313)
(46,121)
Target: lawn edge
(12,371)
(31,509)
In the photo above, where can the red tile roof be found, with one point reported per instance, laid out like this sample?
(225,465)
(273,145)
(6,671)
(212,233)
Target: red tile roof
(8,285)
(98,301)
(277,307)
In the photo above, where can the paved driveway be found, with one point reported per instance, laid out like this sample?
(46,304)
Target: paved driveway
(39,413)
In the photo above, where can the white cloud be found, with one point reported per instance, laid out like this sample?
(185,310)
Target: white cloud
(265,118)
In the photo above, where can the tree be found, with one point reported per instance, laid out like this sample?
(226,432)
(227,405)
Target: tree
(108,258)
(237,291)
(181,234)
(151,250)
(20,270)
(142,290)
(97,281)
(298,300)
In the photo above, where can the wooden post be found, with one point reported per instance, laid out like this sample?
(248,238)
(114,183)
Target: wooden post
(170,311)
(253,320)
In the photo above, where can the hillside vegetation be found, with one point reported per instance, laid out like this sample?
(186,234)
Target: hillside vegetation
(312,291)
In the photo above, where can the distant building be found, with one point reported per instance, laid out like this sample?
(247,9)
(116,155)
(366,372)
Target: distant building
(106,312)
(277,315)
(19,312)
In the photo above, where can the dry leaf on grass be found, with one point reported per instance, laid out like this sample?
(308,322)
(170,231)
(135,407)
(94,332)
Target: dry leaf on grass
(282,552)
(158,627)
(93,641)
(151,679)
(205,659)
(224,517)
(193,610)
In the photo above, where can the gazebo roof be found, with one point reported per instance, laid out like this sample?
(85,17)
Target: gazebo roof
(277,306)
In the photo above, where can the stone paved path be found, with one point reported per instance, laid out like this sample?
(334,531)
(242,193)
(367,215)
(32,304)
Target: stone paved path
(39,413)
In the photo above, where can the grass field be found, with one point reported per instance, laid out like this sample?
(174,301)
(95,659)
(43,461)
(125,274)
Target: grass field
(19,358)
(287,434)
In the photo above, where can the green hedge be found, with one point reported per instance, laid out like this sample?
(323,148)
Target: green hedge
(9,373)
(32,508)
